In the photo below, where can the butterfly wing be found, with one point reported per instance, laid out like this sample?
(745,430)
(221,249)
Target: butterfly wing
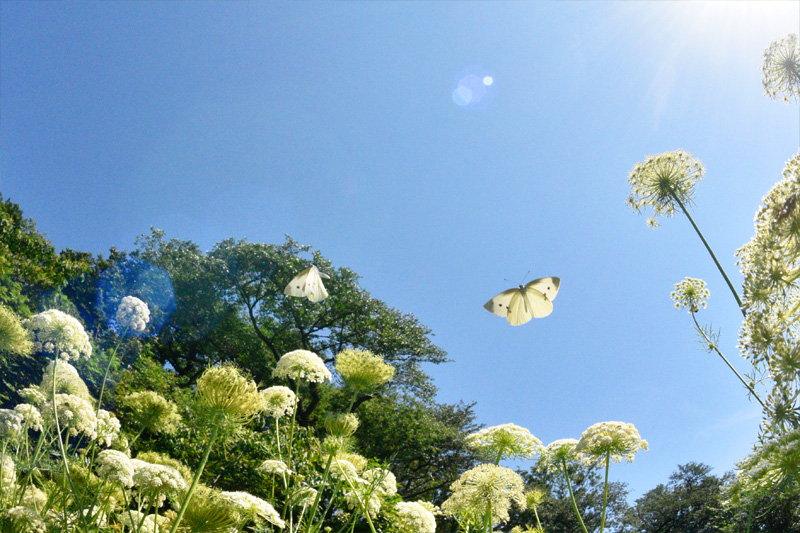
(519,309)
(308,283)
(546,286)
(314,289)
(537,303)
(499,304)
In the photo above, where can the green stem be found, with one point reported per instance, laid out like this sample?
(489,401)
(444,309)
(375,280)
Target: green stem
(203,461)
(711,252)
(572,495)
(105,376)
(538,524)
(605,492)
(714,347)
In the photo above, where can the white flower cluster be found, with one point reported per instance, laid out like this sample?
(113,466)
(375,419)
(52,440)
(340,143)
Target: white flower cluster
(367,493)
(31,416)
(618,440)
(691,293)
(10,424)
(554,455)
(132,520)
(780,68)
(485,487)
(132,314)
(68,381)
(280,401)
(33,394)
(74,413)
(57,331)
(25,520)
(414,517)
(115,467)
(108,428)
(302,364)
(155,482)
(253,507)
(274,466)
(504,441)
(8,473)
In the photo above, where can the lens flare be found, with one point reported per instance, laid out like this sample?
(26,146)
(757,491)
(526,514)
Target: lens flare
(473,88)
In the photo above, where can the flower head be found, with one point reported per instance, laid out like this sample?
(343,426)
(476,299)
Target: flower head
(108,428)
(414,517)
(8,473)
(555,454)
(280,401)
(132,314)
(617,440)
(13,337)
(691,293)
(75,414)
(504,442)
(10,424)
(56,331)
(25,520)
(340,424)
(362,370)
(68,381)
(223,392)
(253,507)
(302,364)
(274,466)
(153,411)
(664,182)
(31,416)
(780,68)
(154,482)
(115,467)
(485,487)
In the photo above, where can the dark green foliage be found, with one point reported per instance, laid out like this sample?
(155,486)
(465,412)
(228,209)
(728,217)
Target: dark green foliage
(557,514)
(423,443)
(689,503)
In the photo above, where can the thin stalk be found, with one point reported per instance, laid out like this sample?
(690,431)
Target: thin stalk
(203,461)
(572,496)
(605,493)
(538,524)
(714,347)
(105,376)
(713,256)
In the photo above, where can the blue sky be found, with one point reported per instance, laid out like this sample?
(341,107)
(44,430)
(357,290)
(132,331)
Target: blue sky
(335,122)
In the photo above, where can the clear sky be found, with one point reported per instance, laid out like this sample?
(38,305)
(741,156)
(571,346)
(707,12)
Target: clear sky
(345,125)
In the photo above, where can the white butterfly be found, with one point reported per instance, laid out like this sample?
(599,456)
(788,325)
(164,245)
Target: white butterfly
(534,300)
(308,283)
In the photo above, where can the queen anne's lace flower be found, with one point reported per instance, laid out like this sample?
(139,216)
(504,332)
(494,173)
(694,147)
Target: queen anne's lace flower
(68,381)
(483,487)
(10,424)
(690,293)
(8,473)
(132,519)
(33,395)
(115,467)
(153,411)
(302,364)
(504,442)
(31,416)
(340,424)
(382,480)
(553,456)
(55,330)
(343,470)
(75,414)
(617,440)
(664,183)
(223,391)
(13,337)
(254,507)
(413,517)
(274,466)
(108,428)
(780,68)
(155,482)
(362,370)
(132,314)
(280,401)
(25,520)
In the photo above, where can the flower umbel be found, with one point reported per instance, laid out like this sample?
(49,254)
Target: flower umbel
(483,487)
(504,442)
(690,293)
(55,330)
(618,440)
(280,401)
(302,364)
(780,68)
(414,517)
(13,337)
(664,182)
(362,370)
(223,391)
(132,314)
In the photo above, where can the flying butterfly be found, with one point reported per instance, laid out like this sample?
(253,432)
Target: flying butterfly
(533,300)
(308,284)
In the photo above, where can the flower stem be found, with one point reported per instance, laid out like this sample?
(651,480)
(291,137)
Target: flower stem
(605,493)
(711,252)
(713,346)
(203,461)
(572,495)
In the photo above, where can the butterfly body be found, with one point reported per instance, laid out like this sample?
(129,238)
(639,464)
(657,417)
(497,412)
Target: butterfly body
(308,284)
(519,305)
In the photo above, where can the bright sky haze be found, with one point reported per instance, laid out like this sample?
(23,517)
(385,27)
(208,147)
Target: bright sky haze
(445,151)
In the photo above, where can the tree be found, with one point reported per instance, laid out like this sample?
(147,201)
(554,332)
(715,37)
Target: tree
(689,503)
(556,512)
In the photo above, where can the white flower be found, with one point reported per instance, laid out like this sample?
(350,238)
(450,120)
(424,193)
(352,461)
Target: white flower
(31,415)
(10,424)
(280,401)
(115,467)
(54,330)
(414,517)
(132,314)
(274,466)
(108,428)
(75,414)
(67,381)
(132,519)
(25,520)
(154,482)
(485,487)
(302,364)
(8,473)
(504,441)
(617,440)
(383,481)
(253,506)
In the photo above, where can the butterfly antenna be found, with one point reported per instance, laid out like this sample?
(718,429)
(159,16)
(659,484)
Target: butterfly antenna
(526,277)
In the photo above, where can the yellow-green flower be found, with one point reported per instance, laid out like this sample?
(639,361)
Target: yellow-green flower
(616,440)
(504,442)
(13,337)
(691,293)
(223,392)
(152,411)
(302,364)
(362,370)
(481,488)
(780,68)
